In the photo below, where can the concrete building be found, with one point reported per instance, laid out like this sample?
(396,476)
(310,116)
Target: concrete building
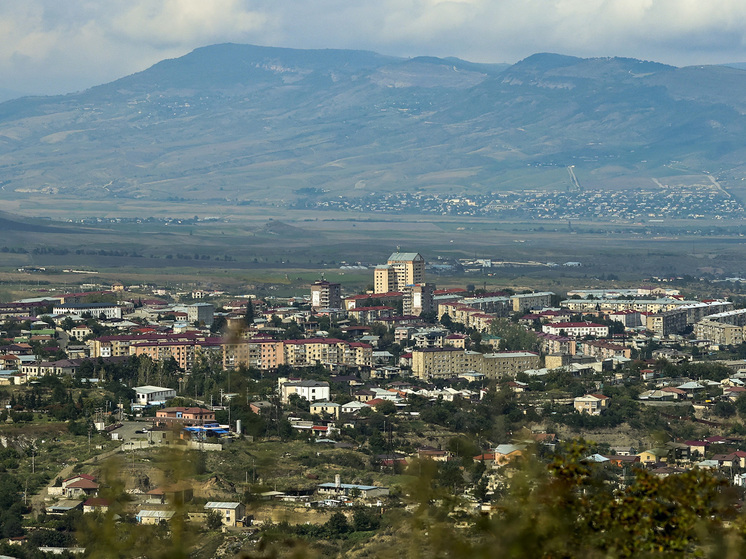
(311,390)
(184,416)
(149,395)
(449,362)
(340,489)
(261,353)
(526,301)
(726,328)
(401,270)
(667,322)
(592,404)
(231,513)
(202,313)
(108,310)
(576,329)
(326,295)
(418,299)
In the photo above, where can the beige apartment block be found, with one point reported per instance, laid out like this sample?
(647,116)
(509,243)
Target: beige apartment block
(401,270)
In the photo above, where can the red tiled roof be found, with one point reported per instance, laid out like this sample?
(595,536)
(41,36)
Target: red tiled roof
(83,484)
(82,476)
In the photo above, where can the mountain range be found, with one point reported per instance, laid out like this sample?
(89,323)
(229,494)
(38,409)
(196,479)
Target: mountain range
(244,124)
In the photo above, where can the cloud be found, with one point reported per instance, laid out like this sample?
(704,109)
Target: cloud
(50,46)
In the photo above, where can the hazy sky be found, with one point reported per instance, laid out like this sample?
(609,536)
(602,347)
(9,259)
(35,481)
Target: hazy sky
(55,46)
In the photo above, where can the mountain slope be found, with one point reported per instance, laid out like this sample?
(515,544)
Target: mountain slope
(241,124)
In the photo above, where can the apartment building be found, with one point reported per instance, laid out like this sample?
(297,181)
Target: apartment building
(326,295)
(667,322)
(719,332)
(260,353)
(553,343)
(527,301)
(447,362)
(96,310)
(640,305)
(184,352)
(604,350)
(401,270)
(576,329)
(418,299)
(201,313)
(726,328)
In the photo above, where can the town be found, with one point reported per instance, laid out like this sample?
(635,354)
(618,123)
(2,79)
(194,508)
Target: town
(697,201)
(241,419)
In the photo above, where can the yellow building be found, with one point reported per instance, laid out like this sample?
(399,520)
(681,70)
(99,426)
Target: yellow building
(450,362)
(401,270)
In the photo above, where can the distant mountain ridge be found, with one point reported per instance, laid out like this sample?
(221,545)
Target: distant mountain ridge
(242,124)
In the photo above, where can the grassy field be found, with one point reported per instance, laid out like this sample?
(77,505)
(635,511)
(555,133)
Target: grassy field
(255,249)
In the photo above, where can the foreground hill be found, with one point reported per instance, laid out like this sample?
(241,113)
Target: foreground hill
(240,124)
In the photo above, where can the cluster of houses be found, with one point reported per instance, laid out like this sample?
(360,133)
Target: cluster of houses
(80,492)
(162,504)
(181,332)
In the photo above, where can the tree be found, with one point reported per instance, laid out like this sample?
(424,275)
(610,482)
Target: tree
(249,316)
(364,519)
(214,520)
(724,409)
(337,525)
(386,407)
(741,405)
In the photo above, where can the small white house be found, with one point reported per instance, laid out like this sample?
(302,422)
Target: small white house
(153,395)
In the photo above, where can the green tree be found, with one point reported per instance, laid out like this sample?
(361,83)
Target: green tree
(337,525)
(248,317)
(365,519)
(214,520)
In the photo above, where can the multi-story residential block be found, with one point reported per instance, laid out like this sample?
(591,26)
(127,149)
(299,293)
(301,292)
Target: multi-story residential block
(576,329)
(629,318)
(368,315)
(326,295)
(604,350)
(498,305)
(402,269)
(667,322)
(438,362)
(553,343)
(201,313)
(260,353)
(184,352)
(96,310)
(719,333)
(507,363)
(268,354)
(418,299)
(467,315)
(526,301)
(694,308)
(450,362)
(388,299)
(726,328)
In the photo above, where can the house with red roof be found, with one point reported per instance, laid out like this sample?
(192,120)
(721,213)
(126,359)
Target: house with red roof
(592,404)
(80,488)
